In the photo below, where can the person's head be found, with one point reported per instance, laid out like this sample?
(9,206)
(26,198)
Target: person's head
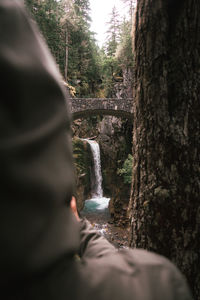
(36,174)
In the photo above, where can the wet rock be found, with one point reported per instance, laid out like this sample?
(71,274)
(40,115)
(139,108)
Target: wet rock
(116,235)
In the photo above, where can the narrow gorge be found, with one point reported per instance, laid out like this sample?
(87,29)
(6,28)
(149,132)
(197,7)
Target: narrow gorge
(102,194)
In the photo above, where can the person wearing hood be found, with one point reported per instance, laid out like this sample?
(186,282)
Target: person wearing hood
(40,236)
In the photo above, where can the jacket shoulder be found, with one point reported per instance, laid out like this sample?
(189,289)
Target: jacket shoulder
(139,274)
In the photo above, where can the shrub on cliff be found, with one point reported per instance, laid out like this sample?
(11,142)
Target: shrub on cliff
(126,170)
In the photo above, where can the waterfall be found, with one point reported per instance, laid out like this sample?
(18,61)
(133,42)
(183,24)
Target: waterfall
(98,202)
(97,191)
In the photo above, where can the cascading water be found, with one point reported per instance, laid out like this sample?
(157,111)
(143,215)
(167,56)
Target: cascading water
(98,202)
(97,190)
(96,209)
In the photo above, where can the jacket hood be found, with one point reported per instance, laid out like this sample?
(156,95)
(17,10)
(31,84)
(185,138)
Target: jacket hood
(36,178)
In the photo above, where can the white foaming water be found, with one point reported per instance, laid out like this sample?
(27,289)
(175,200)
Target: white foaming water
(97,191)
(97,202)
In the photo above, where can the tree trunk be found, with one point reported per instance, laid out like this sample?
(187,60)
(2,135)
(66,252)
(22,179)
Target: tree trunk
(66,51)
(164,204)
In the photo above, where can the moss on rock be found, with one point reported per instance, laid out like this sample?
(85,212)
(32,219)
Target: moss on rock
(82,162)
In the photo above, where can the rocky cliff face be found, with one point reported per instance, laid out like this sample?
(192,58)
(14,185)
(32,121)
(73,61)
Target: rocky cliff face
(87,127)
(124,89)
(115,144)
(83,164)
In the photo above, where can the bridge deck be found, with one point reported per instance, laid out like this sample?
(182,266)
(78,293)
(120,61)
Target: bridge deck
(82,107)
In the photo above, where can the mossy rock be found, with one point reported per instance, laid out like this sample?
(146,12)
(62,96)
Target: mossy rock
(82,162)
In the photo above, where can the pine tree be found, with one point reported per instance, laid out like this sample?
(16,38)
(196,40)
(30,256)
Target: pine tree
(113,32)
(131,5)
(124,51)
(67,22)
(82,9)
(83,65)
(47,15)
(65,26)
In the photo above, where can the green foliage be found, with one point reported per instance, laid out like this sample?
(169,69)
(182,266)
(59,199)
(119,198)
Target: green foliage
(113,33)
(79,156)
(88,70)
(83,68)
(65,26)
(82,162)
(110,68)
(82,8)
(126,170)
(83,64)
(124,52)
(117,55)
(47,15)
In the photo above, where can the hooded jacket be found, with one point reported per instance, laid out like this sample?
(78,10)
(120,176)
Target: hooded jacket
(39,235)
